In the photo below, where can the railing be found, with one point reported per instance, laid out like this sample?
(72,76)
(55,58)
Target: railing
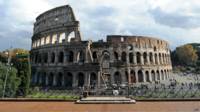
(156,91)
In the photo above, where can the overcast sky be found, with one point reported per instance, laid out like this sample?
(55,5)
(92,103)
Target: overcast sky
(177,21)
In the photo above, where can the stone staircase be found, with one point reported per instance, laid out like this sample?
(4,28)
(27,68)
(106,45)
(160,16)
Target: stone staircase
(106,100)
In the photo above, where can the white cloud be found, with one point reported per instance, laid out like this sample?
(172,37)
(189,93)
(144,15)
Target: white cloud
(101,17)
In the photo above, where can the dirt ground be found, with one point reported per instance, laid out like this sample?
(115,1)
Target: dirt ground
(168,106)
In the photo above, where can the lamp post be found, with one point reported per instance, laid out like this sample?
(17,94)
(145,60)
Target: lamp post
(8,64)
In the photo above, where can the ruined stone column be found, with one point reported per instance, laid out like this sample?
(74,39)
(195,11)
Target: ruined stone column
(136,76)
(134,59)
(99,79)
(144,76)
(142,59)
(148,59)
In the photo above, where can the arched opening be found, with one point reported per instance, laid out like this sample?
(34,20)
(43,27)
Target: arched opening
(117,78)
(45,57)
(61,57)
(71,56)
(140,76)
(126,75)
(160,58)
(158,75)
(71,36)
(138,55)
(165,74)
(131,57)
(93,79)
(147,76)
(54,38)
(151,57)
(36,57)
(59,79)
(44,79)
(133,78)
(69,80)
(80,80)
(81,57)
(50,79)
(106,60)
(153,75)
(62,38)
(94,55)
(162,75)
(52,57)
(145,57)
(39,58)
(42,41)
(48,39)
(38,78)
(116,56)
(156,58)
(124,56)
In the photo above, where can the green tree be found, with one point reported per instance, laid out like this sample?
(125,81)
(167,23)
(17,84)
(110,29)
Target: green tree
(12,83)
(186,55)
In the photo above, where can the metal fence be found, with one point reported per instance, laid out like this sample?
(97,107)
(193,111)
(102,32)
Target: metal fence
(141,91)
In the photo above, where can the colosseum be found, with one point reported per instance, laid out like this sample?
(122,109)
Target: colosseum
(60,58)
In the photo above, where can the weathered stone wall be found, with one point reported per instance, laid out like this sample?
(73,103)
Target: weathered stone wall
(60,58)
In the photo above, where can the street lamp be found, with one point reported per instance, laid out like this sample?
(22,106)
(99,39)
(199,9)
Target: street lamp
(8,64)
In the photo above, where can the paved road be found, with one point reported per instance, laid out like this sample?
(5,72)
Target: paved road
(170,106)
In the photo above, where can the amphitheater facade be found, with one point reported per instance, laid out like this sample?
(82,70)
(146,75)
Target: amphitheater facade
(60,58)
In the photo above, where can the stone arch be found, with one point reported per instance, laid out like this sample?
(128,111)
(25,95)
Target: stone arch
(48,39)
(140,76)
(42,41)
(81,56)
(124,56)
(160,58)
(158,75)
(133,77)
(163,58)
(36,57)
(54,39)
(44,79)
(156,58)
(45,57)
(147,76)
(71,36)
(53,57)
(151,57)
(153,75)
(68,80)
(39,58)
(38,78)
(71,56)
(94,55)
(81,80)
(61,57)
(131,58)
(165,72)
(117,78)
(50,79)
(62,38)
(116,55)
(162,75)
(126,75)
(138,56)
(93,79)
(59,79)
(145,58)
(105,60)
